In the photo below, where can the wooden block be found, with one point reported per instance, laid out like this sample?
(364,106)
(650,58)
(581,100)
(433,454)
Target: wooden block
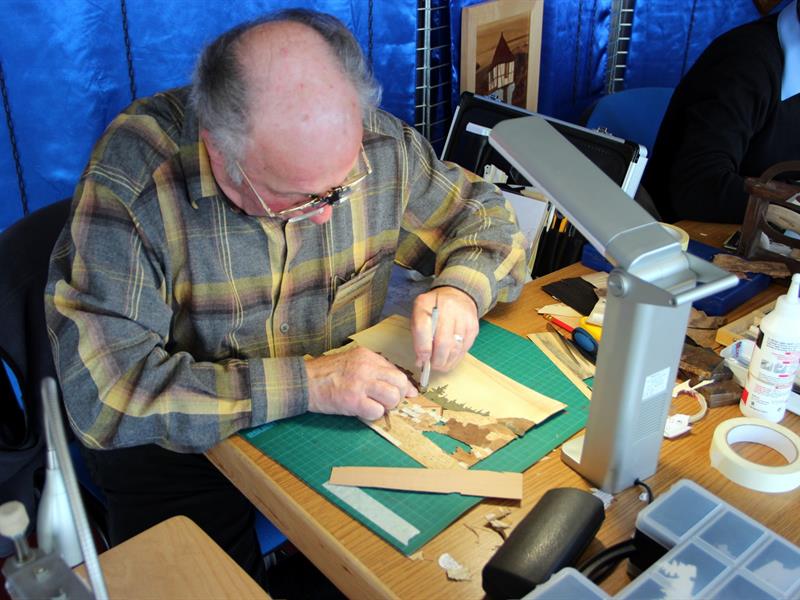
(699,362)
(736,330)
(722,393)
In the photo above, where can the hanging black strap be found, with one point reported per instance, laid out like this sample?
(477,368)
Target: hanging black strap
(370,30)
(577,56)
(128,54)
(688,38)
(23,196)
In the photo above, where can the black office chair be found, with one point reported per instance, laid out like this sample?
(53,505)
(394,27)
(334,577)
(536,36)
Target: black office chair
(26,358)
(25,352)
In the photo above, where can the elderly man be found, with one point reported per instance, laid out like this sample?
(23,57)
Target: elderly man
(219,234)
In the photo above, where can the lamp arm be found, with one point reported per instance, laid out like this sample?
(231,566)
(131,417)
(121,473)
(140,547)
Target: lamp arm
(650,295)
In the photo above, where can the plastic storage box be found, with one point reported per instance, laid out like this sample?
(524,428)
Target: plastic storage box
(716,551)
(568,583)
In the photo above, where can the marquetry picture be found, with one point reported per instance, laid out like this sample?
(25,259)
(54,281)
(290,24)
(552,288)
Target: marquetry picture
(501,49)
(477,409)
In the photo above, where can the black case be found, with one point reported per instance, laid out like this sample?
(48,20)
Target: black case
(550,537)
(622,160)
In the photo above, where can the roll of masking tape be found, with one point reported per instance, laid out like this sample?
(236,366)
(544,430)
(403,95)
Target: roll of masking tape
(738,469)
(678,233)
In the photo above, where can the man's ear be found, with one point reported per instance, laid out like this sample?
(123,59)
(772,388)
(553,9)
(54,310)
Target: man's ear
(218,168)
(213,152)
(217,160)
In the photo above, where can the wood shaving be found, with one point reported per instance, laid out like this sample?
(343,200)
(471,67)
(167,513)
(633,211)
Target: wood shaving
(474,530)
(500,527)
(499,513)
(494,520)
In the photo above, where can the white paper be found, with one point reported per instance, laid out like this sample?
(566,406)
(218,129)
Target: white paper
(676,425)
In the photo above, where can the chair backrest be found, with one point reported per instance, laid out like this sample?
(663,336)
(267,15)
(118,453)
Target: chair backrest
(633,114)
(25,249)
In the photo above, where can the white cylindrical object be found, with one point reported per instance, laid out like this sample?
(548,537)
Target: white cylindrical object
(775,359)
(55,526)
(14,519)
(14,523)
(763,478)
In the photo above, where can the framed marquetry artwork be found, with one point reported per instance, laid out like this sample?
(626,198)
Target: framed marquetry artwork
(501,45)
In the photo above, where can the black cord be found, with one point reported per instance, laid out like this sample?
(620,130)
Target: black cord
(646,488)
(128,52)
(23,196)
(370,31)
(688,37)
(601,564)
(578,43)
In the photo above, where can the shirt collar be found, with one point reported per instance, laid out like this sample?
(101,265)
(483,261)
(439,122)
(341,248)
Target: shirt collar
(789,36)
(199,177)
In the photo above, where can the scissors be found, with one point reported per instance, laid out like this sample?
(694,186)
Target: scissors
(585,343)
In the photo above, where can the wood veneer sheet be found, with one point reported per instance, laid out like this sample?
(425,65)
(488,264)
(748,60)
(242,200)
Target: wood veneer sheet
(473,403)
(487,484)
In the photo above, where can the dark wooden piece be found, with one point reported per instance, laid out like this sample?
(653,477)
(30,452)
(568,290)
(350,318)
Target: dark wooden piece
(766,192)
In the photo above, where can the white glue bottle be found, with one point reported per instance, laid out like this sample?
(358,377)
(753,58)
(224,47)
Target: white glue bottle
(775,359)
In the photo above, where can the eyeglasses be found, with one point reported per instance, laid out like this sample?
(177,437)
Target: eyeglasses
(314,203)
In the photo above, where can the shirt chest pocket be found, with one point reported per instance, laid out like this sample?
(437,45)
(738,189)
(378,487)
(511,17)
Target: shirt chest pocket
(358,301)
(357,285)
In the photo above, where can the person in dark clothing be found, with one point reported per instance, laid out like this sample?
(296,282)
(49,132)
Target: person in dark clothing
(734,114)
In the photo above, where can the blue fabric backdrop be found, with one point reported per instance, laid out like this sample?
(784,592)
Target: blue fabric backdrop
(667,37)
(66,73)
(67,77)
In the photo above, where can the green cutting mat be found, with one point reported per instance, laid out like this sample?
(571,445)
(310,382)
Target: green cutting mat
(310,445)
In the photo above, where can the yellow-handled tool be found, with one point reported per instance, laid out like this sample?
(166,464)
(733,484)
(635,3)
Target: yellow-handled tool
(596,331)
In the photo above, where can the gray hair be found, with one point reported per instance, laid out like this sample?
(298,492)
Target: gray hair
(219,90)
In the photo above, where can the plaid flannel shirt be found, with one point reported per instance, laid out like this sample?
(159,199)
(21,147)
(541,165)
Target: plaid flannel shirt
(177,319)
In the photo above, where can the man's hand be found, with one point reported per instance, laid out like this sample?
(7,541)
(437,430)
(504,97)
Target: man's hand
(455,331)
(357,383)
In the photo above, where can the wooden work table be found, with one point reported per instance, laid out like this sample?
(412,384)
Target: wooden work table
(172,560)
(362,565)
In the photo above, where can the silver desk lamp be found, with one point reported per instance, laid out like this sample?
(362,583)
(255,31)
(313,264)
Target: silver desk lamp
(650,292)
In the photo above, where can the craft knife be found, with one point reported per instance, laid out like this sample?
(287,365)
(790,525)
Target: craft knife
(426,368)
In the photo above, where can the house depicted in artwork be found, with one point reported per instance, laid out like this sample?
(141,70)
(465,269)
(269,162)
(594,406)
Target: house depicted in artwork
(501,72)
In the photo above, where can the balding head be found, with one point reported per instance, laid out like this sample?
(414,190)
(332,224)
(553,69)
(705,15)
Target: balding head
(269,54)
(304,111)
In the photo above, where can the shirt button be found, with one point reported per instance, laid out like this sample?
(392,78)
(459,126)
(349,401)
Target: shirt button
(284,328)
